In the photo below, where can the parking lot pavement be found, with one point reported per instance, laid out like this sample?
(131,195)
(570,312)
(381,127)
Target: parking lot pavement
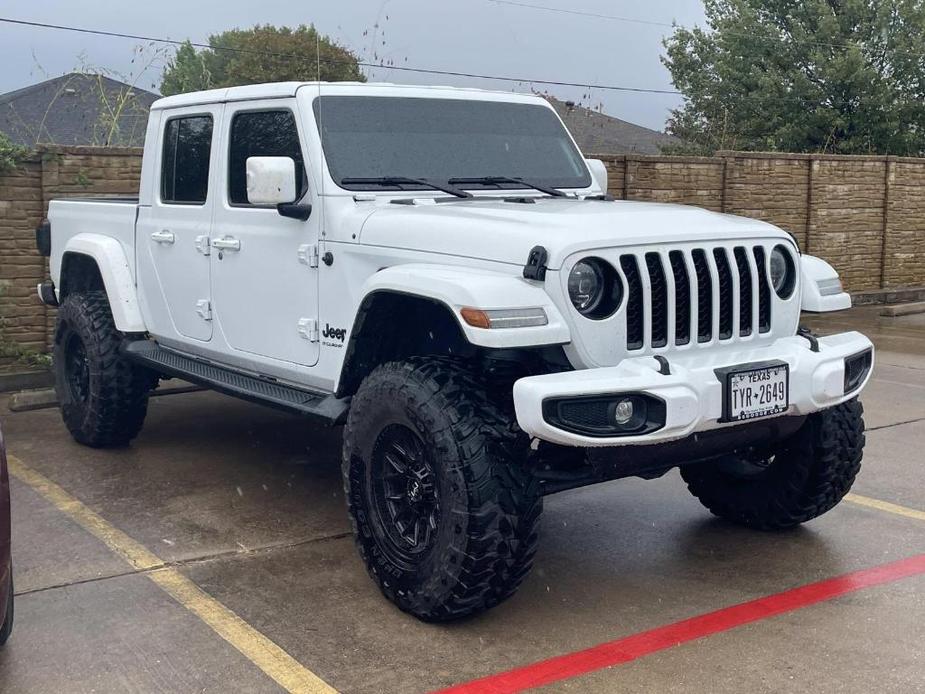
(247,504)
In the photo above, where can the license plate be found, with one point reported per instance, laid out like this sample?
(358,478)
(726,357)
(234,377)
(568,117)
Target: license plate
(756,390)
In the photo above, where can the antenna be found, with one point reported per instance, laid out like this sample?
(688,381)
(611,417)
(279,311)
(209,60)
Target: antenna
(320,125)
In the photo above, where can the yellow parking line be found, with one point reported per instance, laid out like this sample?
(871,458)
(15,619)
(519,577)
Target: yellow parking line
(885,506)
(264,653)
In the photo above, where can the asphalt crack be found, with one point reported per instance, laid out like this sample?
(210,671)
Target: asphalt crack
(896,424)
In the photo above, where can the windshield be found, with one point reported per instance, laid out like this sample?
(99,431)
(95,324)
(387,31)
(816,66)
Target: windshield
(368,137)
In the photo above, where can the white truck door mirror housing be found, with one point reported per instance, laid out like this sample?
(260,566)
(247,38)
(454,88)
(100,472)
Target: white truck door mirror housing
(598,173)
(271,180)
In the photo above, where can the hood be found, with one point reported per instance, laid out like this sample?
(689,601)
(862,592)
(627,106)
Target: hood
(505,232)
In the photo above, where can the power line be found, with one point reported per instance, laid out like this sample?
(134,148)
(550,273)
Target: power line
(582,13)
(753,37)
(404,68)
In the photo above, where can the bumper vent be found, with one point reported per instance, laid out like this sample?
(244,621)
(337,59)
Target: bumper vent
(715,294)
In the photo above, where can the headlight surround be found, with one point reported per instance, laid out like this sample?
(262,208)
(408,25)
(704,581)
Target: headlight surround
(782,271)
(594,288)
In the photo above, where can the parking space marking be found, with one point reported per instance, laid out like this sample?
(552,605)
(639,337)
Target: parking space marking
(885,506)
(252,644)
(624,650)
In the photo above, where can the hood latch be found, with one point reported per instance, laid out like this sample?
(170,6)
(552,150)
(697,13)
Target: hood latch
(535,269)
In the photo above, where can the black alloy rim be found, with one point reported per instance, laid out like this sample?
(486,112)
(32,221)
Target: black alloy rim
(404,492)
(77,368)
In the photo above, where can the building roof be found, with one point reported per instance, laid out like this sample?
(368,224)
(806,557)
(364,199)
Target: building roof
(598,133)
(75,109)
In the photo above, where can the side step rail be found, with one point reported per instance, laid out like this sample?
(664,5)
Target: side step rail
(265,391)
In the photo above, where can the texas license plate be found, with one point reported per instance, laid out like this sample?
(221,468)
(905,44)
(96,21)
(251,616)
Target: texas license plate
(756,391)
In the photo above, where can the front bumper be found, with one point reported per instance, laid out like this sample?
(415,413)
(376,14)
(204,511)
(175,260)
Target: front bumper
(692,392)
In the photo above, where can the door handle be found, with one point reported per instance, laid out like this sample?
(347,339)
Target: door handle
(226,243)
(163,236)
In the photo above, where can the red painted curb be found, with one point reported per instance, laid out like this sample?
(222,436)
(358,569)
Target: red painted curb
(626,649)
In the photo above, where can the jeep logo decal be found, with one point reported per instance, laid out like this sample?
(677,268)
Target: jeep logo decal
(335,333)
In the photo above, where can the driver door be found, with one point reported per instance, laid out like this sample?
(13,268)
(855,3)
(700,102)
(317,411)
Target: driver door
(264,268)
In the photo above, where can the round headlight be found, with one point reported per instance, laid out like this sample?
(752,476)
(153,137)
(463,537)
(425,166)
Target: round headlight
(586,286)
(594,288)
(782,271)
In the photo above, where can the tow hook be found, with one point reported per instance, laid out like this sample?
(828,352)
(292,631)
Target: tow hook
(808,334)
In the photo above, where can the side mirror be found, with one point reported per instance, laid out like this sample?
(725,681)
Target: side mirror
(598,173)
(271,180)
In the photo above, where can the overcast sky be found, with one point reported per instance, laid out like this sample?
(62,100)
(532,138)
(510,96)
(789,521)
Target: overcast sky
(476,36)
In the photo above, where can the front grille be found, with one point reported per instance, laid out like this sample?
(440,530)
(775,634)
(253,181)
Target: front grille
(718,294)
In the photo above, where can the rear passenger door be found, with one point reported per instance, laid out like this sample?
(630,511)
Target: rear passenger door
(265,267)
(172,235)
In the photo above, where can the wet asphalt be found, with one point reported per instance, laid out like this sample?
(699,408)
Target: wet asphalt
(248,503)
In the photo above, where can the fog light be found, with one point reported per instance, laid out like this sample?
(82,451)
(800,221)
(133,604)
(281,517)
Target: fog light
(620,414)
(623,412)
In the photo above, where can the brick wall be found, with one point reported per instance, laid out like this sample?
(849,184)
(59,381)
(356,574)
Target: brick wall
(53,172)
(865,215)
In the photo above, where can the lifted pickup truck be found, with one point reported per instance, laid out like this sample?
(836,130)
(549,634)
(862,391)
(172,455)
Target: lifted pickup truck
(440,271)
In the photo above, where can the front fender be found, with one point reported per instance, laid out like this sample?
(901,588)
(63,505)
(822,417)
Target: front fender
(822,290)
(457,288)
(117,277)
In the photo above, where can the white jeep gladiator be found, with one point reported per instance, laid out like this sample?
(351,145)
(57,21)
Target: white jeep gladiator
(440,271)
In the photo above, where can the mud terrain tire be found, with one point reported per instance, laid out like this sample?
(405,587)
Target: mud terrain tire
(809,474)
(464,459)
(103,397)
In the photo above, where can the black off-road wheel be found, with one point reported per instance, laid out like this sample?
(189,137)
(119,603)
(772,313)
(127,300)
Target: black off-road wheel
(6,628)
(444,512)
(103,397)
(797,480)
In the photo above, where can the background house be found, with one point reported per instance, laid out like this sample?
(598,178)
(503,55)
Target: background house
(598,133)
(76,109)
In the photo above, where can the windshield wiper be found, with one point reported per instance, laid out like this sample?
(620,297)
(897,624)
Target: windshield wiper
(398,181)
(498,180)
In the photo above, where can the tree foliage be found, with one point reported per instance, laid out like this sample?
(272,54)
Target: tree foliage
(842,76)
(262,54)
(10,154)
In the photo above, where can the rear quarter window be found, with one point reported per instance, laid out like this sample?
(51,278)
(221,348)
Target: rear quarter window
(185,160)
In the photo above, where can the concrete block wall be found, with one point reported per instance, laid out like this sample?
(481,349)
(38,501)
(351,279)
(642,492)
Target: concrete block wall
(863,214)
(22,317)
(52,172)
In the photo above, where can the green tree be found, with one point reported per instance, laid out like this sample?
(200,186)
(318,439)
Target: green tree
(262,54)
(10,154)
(842,76)
(186,72)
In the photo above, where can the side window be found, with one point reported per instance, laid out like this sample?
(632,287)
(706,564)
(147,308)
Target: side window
(185,160)
(262,134)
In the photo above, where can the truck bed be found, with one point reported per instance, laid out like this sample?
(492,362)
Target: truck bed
(108,217)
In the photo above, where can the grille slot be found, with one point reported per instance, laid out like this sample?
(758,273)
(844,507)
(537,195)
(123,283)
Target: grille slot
(745,292)
(725,293)
(764,292)
(659,291)
(682,298)
(670,297)
(634,315)
(704,296)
